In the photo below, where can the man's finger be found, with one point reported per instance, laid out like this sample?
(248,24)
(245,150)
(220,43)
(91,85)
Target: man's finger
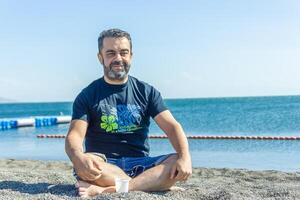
(90,163)
(91,169)
(173,172)
(189,174)
(185,178)
(85,177)
(179,175)
(90,173)
(97,164)
(94,178)
(95,172)
(90,177)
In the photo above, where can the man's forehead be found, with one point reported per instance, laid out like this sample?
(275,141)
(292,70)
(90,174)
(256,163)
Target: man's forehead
(120,42)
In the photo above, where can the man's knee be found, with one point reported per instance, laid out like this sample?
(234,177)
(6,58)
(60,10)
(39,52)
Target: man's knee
(171,159)
(166,182)
(79,175)
(98,157)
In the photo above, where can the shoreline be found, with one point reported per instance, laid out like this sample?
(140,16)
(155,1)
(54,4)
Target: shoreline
(34,179)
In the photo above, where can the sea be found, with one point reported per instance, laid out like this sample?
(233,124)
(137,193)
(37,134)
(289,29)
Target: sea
(245,116)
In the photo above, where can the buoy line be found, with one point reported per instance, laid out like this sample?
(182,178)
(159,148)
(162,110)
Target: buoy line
(228,137)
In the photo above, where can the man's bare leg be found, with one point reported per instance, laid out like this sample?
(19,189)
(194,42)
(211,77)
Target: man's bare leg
(156,178)
(106,182)
(87,190)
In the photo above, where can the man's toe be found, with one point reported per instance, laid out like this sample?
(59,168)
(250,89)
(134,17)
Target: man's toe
(176,188)
(81,189)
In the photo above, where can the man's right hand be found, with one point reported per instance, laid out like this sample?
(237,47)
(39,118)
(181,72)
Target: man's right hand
(87,167)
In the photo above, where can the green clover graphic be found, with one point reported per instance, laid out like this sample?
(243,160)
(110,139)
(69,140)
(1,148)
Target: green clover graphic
(108,123)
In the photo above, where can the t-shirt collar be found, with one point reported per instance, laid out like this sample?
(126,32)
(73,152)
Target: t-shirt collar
(115,86)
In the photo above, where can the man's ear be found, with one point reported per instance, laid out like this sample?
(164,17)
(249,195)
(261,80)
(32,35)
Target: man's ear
(100,58)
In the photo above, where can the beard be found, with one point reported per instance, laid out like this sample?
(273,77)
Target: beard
(116,75)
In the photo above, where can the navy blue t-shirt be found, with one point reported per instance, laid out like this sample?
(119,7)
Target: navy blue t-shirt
(118,116)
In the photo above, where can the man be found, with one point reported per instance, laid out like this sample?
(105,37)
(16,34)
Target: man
(113,115)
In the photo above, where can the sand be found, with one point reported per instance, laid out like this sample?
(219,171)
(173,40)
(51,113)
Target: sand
(24,179)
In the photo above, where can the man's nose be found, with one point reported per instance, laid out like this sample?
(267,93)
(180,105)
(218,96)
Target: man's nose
(118,57)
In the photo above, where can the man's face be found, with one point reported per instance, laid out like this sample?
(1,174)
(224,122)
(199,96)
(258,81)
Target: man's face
(115,56)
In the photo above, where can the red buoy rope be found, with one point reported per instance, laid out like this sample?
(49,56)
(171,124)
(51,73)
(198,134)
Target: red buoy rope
(226,137)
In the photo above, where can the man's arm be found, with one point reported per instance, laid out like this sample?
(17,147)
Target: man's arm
(183,167)
(85,166)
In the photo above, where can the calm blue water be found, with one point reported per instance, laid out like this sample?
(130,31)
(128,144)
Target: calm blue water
(276,116)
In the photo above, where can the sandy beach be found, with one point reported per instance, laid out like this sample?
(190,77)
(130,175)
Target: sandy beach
(24,179)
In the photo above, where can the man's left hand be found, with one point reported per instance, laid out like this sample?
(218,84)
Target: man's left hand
(182,169)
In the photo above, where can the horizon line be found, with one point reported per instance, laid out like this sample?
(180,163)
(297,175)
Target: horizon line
(172,98)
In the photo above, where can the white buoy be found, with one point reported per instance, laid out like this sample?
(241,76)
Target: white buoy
(25,122)
(63,119)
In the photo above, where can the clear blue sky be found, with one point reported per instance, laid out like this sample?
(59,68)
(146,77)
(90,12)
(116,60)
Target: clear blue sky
(184,48)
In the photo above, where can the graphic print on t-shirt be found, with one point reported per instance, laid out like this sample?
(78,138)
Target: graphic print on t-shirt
(123,118)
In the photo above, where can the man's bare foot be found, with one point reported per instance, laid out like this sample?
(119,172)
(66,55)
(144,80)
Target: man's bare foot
(86,190)
(176,188)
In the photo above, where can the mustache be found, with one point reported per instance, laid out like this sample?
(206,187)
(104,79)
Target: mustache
(118,63)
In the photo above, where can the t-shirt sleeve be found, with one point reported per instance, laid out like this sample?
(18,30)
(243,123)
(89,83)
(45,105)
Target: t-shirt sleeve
(81,108)
(156,103)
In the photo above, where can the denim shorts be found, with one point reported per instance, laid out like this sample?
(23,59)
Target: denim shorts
(133,166)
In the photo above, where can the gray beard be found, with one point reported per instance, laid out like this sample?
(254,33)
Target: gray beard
(116,75)
(112,75)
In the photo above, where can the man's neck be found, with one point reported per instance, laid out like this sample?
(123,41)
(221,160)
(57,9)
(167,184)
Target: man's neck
(115,82)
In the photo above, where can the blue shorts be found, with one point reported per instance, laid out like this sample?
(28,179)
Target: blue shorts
(132,166)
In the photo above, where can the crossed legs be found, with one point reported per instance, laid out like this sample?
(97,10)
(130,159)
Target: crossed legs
(153,179)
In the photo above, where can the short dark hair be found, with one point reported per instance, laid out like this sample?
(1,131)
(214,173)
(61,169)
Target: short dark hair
(114,33)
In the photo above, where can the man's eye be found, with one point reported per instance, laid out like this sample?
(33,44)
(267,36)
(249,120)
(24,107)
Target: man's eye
(110,54)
